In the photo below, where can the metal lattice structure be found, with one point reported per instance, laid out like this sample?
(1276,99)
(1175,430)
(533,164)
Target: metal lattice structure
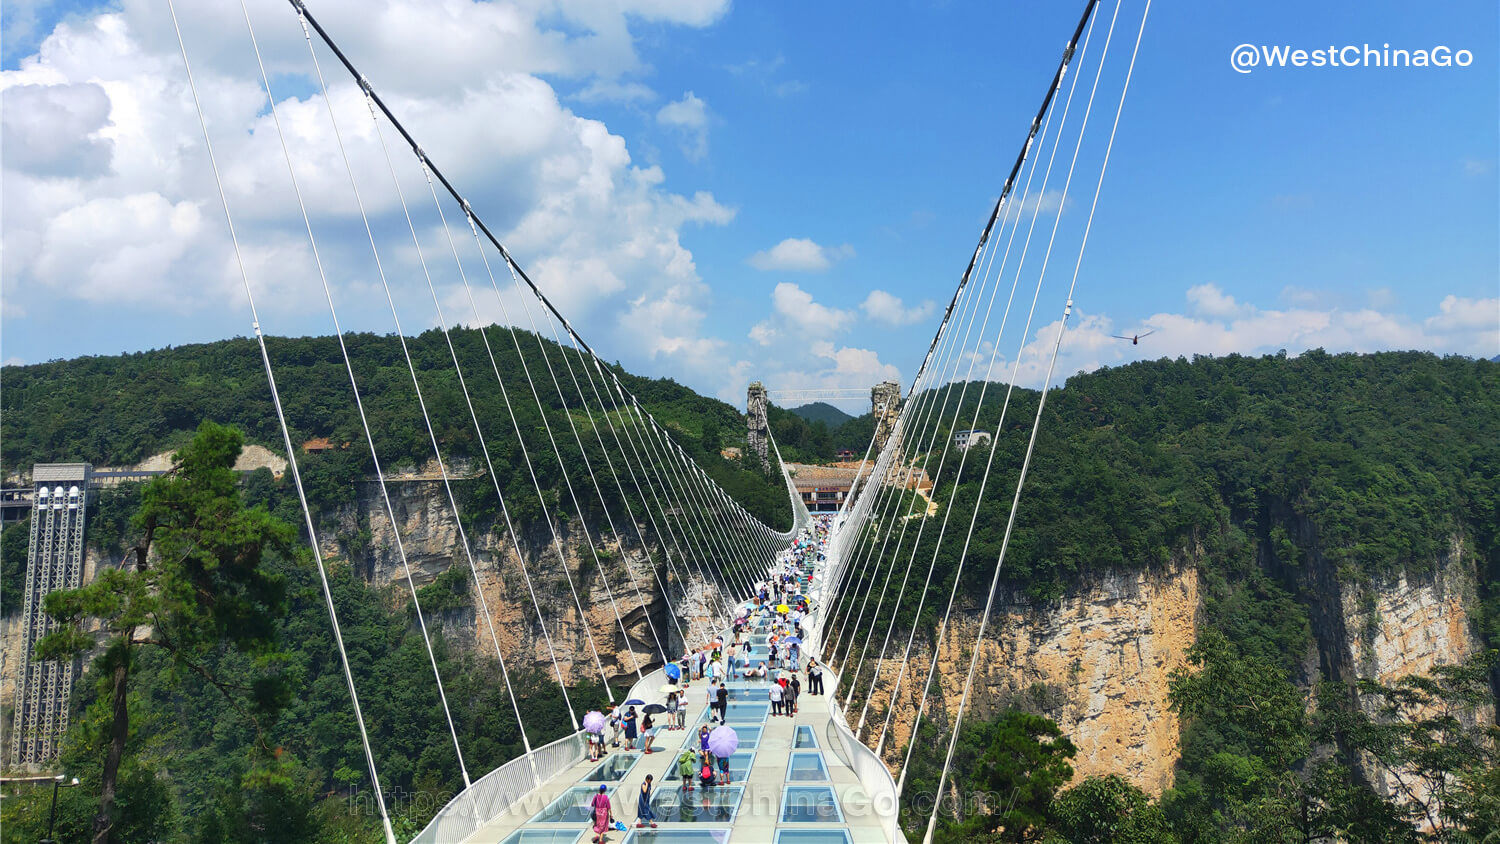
(54,560)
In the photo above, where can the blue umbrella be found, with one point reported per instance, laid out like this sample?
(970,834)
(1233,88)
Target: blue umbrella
(673,671)
(791,640)
(635,701)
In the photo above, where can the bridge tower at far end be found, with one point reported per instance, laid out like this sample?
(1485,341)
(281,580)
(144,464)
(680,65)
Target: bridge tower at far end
(885,406)
(757,437)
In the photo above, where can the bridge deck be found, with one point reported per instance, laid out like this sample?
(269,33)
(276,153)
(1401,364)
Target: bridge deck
(793,782)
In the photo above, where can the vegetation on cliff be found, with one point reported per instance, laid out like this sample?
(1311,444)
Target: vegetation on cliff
(1283,480)
(1277,476)
(118,410)
(234,723)
(1263,761)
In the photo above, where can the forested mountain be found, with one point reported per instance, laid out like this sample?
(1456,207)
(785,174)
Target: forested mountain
(824,412)
(1286,482)
(816,441)
(118,410)
(204,766)
(1281,481)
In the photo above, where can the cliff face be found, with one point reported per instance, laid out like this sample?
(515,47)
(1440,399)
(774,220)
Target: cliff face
(1097,661)
(616,608)
(1410,624)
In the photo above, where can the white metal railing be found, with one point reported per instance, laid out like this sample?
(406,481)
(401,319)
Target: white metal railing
(867,767)
(648,686)
(493,793)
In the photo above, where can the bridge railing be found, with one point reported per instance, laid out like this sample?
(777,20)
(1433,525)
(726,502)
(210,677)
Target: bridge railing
(868,768)
(493,793)
(502,788)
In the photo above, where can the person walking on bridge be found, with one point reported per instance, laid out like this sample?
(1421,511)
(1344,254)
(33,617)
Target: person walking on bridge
(648,733)
(643,813)
(603,815)
(630,727)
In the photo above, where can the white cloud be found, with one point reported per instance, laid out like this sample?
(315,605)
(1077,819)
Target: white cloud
(55,129)
(110,248)
(796,314)
(881,306)
(1049,203)
(1460,326)
(689,118)
(103,150)
(766,73)
(842,367)
(1464,315)
(799,254)
(1209,301)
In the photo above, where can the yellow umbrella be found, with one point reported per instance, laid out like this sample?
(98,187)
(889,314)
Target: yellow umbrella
(783,608)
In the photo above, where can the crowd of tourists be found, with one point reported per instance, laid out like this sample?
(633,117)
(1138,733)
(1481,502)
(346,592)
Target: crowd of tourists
(778,609)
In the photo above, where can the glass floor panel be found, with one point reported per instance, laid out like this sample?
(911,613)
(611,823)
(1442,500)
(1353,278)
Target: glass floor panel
(543,836)
(743,712)
(571,807)
(613,768)
(749,736)
(757,681)
(739,766)
(805,738)
(703,805)
(747,691)
(678,836)
(806,766)
(812,836)
(810,804)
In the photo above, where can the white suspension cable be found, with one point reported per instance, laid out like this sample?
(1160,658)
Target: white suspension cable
(286,437)
(443,469)
(672,477)
(994,351)
(992,247)
(603,449)
(1034,163)
(583,524)
(624,496)
(925,443)
(1037,422)
(667,537)
(922,401)
(364,420)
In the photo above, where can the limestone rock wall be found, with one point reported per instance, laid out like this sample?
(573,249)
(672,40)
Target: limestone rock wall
(616,608)
(1097,661)
(1412,623)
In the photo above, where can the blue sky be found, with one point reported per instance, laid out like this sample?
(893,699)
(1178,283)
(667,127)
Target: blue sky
(646,166)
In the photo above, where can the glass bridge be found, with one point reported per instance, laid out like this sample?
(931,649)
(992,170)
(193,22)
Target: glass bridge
(800,779)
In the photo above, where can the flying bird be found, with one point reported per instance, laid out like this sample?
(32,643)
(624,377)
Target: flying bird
(1135,339)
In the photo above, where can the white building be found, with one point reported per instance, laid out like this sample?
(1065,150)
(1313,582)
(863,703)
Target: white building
(964,439)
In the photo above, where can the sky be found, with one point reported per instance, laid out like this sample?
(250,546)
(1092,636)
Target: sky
(723,192)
